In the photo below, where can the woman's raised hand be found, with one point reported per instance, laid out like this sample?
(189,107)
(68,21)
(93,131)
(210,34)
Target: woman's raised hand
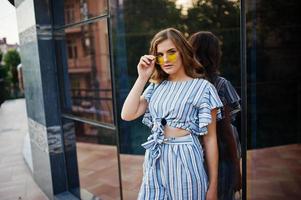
(146,66)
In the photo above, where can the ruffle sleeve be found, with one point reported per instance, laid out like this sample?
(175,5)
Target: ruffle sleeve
(148,91)
(209,101)
(147,118)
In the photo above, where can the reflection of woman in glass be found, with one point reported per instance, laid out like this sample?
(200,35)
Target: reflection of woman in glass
(208,52)
(178,106)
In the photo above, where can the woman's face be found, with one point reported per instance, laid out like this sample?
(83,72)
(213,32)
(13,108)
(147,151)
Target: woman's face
(168,57)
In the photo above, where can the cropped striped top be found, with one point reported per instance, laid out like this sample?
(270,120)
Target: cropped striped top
(183,104)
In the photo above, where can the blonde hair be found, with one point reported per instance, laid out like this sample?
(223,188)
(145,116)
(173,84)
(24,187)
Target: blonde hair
(191,65)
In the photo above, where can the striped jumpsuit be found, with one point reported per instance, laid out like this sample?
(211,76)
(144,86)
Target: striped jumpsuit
(173,167)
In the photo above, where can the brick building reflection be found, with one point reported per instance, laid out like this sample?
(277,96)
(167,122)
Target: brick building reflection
(89,64)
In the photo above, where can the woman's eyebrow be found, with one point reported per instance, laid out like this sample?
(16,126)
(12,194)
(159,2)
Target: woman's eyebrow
(171,49)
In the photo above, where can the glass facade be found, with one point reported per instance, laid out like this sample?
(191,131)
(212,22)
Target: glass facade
(274,74)
(274,80)
(89,71)
(80,10)
(97,163)
(133,26)
(98,46)
(85,77)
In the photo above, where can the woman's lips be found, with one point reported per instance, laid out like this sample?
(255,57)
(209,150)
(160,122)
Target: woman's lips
(167,66)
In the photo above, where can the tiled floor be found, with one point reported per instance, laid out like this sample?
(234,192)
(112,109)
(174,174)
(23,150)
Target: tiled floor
(273,173)
(98,167)
(99,172)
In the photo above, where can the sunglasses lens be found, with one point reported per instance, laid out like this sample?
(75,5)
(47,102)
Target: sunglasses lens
(172,57)
(159,60)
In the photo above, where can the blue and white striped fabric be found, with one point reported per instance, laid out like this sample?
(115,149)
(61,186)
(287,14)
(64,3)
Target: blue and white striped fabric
(228,95)
(174,170)
(178,174)
(184,104)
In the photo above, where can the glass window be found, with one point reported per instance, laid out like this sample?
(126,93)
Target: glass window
(132,33)
(69,13)
(97,163)
(273,62)
(72,48)
(79,10)
(89,71)
(83,59)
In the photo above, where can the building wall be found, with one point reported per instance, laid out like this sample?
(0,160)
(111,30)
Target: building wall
(41,92)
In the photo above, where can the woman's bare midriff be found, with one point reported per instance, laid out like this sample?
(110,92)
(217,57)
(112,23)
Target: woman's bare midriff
(174,132)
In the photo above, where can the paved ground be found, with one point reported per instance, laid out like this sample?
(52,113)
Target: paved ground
(273,173)
(16,182)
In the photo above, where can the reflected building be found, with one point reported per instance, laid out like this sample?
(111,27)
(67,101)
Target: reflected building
(88,65)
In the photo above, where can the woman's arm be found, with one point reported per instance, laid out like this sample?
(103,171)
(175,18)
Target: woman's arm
(211,155)
(135,104)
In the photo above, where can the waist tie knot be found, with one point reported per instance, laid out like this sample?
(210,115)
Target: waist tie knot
(155,140)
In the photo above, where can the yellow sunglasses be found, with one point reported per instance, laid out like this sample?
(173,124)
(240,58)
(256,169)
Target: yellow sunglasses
(171,57)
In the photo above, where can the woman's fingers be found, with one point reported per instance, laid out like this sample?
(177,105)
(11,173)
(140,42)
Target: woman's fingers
(145,60)
(148,58)
(146,66)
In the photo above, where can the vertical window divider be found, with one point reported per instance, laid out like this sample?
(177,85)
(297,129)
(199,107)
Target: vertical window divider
(243,75)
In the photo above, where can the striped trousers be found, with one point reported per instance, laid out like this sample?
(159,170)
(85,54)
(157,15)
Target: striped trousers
(178,174)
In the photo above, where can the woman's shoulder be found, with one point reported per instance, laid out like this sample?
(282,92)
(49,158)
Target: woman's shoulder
(204,86)
(202,81)
(197,83)
(153,84)
(206,83)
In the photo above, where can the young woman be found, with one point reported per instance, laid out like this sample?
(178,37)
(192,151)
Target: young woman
(178,106)
(208,52)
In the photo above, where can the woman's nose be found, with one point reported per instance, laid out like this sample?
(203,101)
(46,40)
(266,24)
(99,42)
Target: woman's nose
(165,58)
